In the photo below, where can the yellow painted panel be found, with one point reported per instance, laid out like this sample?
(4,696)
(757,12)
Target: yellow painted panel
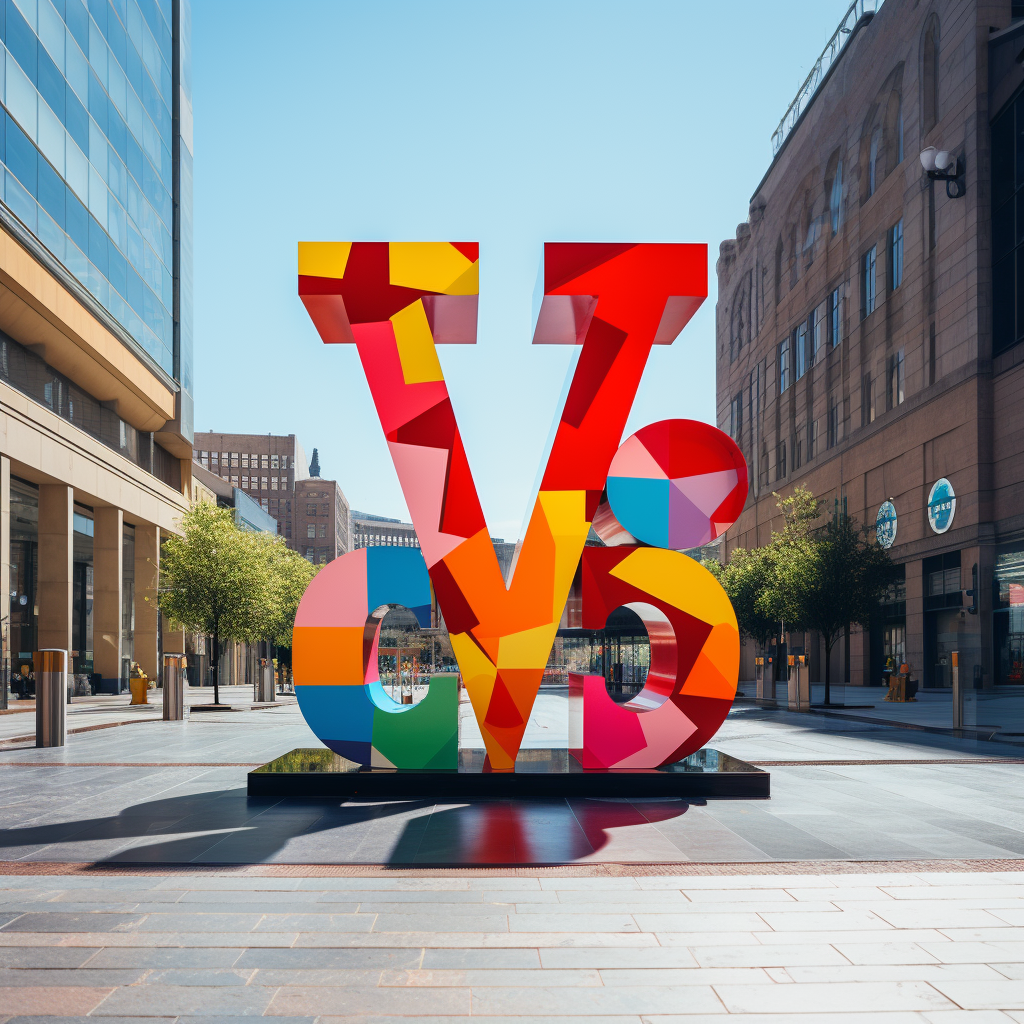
(678,580)
(468,283)
(528,649)
(478,673)
(427,266)
(323,259)
(416,350)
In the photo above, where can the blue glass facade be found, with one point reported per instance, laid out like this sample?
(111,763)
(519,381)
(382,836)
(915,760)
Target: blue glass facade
(96,96)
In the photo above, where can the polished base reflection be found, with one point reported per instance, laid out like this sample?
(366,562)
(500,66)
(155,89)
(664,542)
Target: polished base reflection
(315,772)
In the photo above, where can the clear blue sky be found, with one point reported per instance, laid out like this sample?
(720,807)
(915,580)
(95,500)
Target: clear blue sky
(504,123)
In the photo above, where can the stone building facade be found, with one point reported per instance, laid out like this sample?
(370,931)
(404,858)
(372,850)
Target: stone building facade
(265,466)
(856,352)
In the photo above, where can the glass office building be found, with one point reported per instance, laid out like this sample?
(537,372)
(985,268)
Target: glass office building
(96,146)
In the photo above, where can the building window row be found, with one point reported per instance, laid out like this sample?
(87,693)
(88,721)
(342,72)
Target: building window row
(243,460)
(803,348)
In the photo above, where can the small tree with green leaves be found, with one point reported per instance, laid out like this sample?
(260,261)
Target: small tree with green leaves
(290,574)
(838,580)
(216,579)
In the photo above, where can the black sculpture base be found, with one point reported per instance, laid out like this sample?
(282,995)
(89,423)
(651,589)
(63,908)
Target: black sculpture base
(308,772)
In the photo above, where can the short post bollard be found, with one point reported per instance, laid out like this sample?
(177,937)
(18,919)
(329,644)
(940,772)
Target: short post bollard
(759,678)
(266,681)
(799,687)
(51,669)
(174,687)
(958,700)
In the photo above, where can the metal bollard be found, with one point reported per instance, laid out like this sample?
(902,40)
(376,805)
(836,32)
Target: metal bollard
(958,702)
(51,669)
(174,687)
(266,681)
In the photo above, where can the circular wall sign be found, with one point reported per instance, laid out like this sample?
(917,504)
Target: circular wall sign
(941,505)
(885,524)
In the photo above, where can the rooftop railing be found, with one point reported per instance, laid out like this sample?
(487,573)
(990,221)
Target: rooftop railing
(857,10)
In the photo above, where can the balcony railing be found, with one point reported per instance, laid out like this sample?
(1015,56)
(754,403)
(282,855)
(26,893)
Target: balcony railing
(857,10)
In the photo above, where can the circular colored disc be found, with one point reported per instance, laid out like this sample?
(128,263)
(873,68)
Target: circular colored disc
(677,483)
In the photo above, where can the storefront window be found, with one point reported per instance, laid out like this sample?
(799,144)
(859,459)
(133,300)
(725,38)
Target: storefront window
(620,652)
(127,603)
(24,576)
(82,596)
(1008,618)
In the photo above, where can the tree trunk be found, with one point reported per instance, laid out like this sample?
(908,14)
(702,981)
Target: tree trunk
(828,670)
(216,663)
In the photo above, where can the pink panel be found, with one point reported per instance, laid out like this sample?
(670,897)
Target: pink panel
(423,473)
(634,460)
(337,594)
(708,490)
(452,318)
(678,311)
(564,319)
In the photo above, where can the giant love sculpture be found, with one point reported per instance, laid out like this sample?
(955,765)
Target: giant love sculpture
(672,485)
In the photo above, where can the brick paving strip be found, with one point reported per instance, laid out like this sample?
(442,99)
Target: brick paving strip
(603,869)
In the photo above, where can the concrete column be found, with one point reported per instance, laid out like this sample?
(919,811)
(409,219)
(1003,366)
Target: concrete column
(915,619)
(107,578)
(56,521)
(147,567)
(5,572)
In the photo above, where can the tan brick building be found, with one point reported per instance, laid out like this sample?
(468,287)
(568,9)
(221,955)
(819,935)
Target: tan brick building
(861,350)
(312,514)
(265,466)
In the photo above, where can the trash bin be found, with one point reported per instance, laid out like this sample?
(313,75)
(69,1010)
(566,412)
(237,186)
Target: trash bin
(174,687)
(139,686)
(51,672)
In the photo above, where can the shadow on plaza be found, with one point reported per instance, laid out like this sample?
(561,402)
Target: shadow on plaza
(227,827)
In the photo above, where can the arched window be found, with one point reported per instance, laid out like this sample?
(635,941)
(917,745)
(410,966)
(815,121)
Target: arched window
(835,198)
(778,271)
(930,75)
(874,177)
(892,138)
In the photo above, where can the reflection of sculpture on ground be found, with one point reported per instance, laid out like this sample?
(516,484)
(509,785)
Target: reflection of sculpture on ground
(675,484)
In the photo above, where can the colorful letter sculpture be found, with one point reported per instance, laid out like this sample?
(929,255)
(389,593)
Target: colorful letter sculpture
(396,302)
(334,664)
(677,484)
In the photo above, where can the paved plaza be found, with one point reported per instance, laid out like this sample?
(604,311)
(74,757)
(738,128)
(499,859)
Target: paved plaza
(882,883)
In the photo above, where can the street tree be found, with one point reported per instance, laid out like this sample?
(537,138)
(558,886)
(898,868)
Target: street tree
(216,579)
(837,580)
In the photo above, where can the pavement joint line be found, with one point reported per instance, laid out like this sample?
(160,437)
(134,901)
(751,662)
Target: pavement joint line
(11,740)
(130,764)
(623,869)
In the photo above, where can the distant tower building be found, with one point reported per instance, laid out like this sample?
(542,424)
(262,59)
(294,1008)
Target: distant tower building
(314,466)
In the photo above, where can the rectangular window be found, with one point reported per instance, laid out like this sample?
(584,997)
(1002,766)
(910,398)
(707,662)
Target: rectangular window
(736,418)
(819,329)
(867,401)
(264,462)
(867,282)
(234,460)
(784,366)
(812,439)
(896,255)
(245,483)
(263,483)
(245,460)
(310,510)
(311,529)
(834,421)
(896,388)
(323,530)
(800,349)
(325,510)
(835,318)
(309,554)
(264,505)
(273,483)
(780,461)
(273,462)
(234,481)
(798,453)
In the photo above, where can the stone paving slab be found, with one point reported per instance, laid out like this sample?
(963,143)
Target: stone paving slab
(102,965)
